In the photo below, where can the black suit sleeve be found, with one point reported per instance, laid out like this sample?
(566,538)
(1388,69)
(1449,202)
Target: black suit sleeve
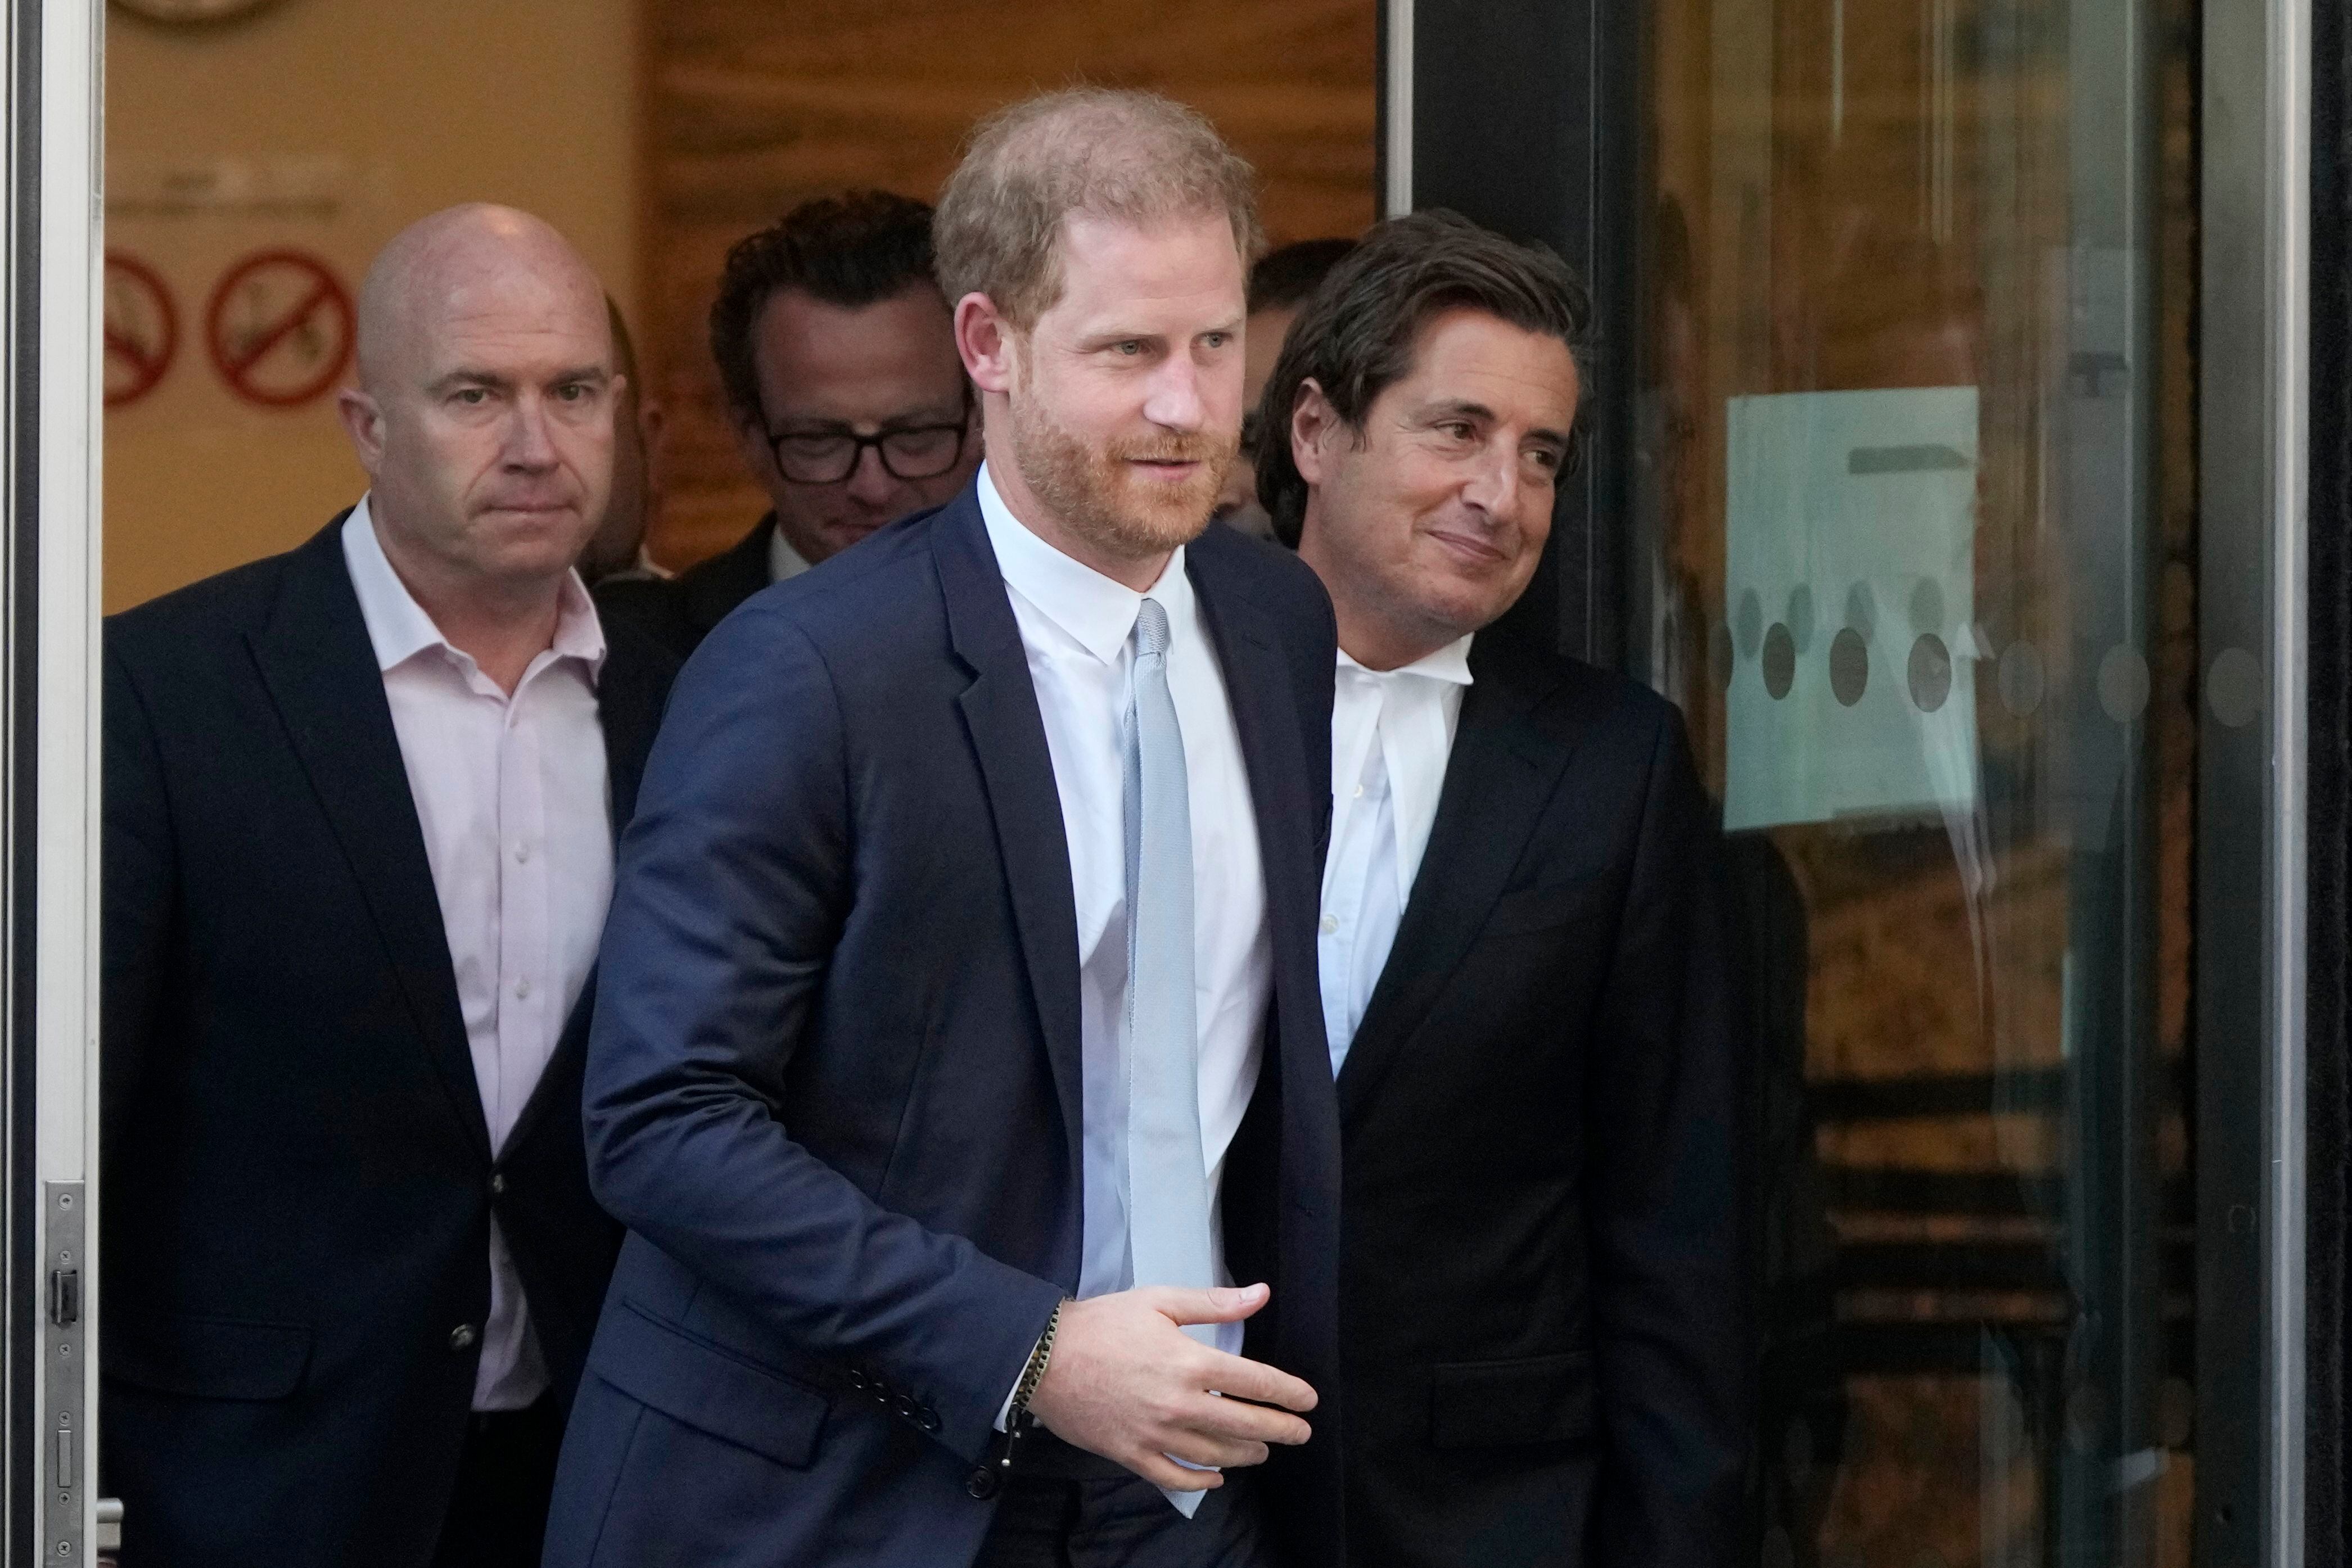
(1671,1303)
(140,878)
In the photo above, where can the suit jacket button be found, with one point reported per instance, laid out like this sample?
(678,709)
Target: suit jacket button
(463,1336)
(903,1408)
(983,1483)
(927,1418)
(497,1184)
(857,1378)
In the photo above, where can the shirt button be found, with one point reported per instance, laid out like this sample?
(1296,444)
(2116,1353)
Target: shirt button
(1360,792)
(523,852)
(463,1336)
(523,989)
(1330,924)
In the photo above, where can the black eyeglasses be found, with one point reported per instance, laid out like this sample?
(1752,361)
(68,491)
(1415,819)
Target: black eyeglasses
(830,456)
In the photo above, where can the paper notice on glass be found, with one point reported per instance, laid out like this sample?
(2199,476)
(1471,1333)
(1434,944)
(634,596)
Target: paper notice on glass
(1849,589)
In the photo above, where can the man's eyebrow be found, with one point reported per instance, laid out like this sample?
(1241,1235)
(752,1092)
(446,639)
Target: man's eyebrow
(1463,408)
(942,412)
(467,377)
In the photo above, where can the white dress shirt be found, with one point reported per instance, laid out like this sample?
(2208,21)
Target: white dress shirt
(1391,732)
(785,563)
(512,796)
(1075,625)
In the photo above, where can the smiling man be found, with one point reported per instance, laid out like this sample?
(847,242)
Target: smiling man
(1524,958)
(959,1067)
(360,801)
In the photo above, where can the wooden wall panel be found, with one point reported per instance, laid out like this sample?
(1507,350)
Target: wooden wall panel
(753,106)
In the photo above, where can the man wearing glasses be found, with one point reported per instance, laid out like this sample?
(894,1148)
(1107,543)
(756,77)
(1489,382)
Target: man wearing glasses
(848,402)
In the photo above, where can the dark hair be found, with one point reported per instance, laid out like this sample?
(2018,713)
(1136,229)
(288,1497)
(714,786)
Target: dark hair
(1359,330)
(857,248)
(1284,278)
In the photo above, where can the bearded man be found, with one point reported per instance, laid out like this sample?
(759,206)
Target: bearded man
(959,1068)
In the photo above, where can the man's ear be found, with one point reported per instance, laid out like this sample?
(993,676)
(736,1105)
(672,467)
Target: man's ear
(1313,424)
(362,419)
(986,342)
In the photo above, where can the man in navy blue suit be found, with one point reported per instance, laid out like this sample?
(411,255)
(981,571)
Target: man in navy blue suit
(959,1068)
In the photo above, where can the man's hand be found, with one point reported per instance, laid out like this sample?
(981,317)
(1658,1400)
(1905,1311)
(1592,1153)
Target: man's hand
(1127,1383)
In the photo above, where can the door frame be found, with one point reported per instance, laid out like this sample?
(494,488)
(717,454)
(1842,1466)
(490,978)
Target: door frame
(1556,87)
(51,442)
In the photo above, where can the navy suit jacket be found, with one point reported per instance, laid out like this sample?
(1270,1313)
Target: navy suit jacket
(298,1182)
(834,1086)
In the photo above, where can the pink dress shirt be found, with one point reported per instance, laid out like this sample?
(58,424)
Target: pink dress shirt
(512,796)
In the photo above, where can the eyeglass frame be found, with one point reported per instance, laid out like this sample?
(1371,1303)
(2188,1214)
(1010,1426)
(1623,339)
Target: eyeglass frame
(858,445)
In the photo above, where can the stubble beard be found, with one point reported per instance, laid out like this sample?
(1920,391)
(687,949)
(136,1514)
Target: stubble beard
(1094,492)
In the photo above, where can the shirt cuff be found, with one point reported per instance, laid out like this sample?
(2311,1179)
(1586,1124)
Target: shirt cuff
(1004,1411)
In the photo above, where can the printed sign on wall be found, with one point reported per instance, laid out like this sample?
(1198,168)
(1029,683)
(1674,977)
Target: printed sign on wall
(1851,602)
(281,328)
(259,258)
(142,332)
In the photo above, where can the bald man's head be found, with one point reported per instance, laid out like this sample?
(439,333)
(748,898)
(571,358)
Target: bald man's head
(484,413)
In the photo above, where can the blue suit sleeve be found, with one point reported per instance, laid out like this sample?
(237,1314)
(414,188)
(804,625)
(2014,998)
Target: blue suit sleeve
(734,882)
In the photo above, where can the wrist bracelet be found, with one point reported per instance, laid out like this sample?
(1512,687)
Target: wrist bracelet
(1030,1375)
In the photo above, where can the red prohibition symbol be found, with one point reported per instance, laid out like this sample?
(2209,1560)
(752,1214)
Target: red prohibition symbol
(142,329)
(281,328)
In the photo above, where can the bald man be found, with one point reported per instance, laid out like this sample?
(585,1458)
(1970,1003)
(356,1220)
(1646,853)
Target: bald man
(360,801)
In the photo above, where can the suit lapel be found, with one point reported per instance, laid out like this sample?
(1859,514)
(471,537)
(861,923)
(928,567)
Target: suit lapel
(319,669)
(1265,718)
(1008,736)
(713,590)
(631,690)
(1509,752)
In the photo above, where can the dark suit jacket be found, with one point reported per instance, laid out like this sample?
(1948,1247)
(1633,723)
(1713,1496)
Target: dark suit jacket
(298,1179)
(834,1084)
(678,612)
(1543,1303)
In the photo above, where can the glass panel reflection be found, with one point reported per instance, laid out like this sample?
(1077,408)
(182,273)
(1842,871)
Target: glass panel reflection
(1913,548)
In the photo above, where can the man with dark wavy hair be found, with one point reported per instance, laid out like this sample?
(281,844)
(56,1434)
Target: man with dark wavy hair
(838,357)
(1523,956)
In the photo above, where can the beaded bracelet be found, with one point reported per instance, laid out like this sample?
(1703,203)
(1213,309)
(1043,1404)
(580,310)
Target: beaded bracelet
(1035,1373)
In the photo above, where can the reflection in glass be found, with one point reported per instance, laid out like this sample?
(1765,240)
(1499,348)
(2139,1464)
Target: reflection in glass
(1912,547)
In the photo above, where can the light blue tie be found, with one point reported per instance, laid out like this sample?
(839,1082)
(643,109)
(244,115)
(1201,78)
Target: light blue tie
(1167,1179)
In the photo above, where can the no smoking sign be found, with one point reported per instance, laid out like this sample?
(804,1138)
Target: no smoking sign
(142,329)
(281,328)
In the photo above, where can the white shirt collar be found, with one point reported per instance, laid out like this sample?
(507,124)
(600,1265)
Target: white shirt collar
(399,628)
(1450,664)
(1096,611)
(785,563)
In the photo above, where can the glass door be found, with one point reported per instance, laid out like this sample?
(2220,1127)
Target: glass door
(1908,487)
(1915,549)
